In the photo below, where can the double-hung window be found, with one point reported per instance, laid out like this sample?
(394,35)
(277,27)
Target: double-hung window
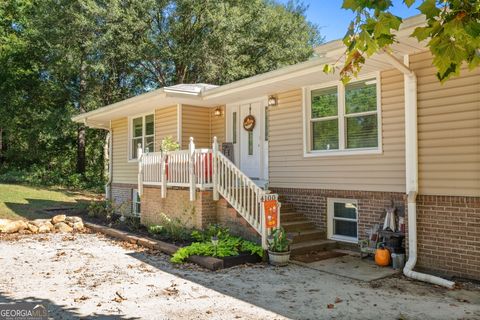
(343,119)
(142,135)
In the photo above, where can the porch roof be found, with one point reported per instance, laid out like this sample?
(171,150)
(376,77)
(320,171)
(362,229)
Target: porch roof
(288,78)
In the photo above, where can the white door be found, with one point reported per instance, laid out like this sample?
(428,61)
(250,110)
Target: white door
(250,141)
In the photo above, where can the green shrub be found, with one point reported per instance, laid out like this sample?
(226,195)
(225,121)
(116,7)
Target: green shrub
(101,209)
(227,245)
(212,230)
(171,228)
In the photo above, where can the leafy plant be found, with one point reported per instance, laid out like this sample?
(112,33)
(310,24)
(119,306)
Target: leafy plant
(227,245)
(101,209)
(169,144)
(171,228)
(213,230)
(279,241)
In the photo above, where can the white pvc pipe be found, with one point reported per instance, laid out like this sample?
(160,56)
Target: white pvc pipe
(411,166)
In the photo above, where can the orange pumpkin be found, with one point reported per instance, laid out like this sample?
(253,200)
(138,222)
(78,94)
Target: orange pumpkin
(382,257)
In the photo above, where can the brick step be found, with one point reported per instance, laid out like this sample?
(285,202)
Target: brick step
(291,216)
(308,235)
(312,245)
(292,226)
(286,207)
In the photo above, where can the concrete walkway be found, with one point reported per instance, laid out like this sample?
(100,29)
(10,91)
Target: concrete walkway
(87,275)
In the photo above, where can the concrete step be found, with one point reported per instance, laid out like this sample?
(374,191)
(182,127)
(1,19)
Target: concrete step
(312,245)
(292,226)
(307,235)
(291,216)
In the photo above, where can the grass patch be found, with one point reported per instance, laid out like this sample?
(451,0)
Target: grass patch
(24,202)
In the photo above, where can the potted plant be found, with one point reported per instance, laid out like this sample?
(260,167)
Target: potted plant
(278,247)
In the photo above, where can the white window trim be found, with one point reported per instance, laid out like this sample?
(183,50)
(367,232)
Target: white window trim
(307,150)
(130,133)
(330,215)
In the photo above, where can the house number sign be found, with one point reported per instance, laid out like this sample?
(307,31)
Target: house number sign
(271,213)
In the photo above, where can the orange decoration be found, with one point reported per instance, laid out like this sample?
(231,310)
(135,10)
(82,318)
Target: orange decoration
(382,257)
(271,213)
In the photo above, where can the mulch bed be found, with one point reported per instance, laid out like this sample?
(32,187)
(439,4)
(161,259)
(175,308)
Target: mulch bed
(317,256)
(140,236)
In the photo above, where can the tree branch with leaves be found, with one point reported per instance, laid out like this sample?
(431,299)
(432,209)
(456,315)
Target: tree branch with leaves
(452,32)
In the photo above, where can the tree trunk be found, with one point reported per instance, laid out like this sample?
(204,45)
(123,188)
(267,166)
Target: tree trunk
(81,133)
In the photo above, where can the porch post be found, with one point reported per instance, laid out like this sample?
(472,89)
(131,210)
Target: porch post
(263,226)
(191,168)
(140,169)
(163,168)
(214,171)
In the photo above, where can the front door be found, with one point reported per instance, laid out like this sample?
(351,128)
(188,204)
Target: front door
(250,143)
(250,146)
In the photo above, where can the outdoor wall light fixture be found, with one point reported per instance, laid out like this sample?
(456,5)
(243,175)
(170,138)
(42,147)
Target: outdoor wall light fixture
(217,112)
(272,101)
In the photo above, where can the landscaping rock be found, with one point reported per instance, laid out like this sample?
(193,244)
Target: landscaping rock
(43,228)
(59,218)
(78,225)
(63,227)
(33,228)
(12,226)
(39,222)
(73,219)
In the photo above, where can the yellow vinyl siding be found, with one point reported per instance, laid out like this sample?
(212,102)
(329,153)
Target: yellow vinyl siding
(196,124)
(165,125)
(448,130)
(123,170)
(378,172)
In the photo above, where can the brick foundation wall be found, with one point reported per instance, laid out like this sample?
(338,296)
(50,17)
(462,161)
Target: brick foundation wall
(196,214)
(371,205)
(448,226)
(449,235)
(229,217)
(122,197)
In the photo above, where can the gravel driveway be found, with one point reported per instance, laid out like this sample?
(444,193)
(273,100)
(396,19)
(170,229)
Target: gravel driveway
(89,275)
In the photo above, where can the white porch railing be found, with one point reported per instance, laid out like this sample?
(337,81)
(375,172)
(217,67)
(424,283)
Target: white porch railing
(205,169)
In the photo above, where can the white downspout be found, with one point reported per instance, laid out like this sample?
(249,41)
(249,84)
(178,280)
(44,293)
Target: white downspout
(411,166)
(108,186)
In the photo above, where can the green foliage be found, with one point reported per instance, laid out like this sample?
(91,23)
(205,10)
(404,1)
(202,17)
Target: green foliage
(171,228)
(227,245)
(279,241)
(59,58)
(169,144)
(213,230)
(452,30)
(101,209)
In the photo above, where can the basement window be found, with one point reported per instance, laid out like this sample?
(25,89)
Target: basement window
(136,207)
(342,216)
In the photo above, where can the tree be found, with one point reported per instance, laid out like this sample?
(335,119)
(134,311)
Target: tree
(223,40)
(452,27)
(62,57)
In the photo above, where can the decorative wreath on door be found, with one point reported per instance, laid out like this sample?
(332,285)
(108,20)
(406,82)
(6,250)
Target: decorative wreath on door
(249,123)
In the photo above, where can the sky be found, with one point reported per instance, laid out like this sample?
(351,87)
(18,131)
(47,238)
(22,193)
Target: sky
(333,20)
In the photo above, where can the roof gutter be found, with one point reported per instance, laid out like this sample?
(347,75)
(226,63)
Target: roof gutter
(411,164)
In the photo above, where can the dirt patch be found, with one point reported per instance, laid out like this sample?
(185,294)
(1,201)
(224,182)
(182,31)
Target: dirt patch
(88,275)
